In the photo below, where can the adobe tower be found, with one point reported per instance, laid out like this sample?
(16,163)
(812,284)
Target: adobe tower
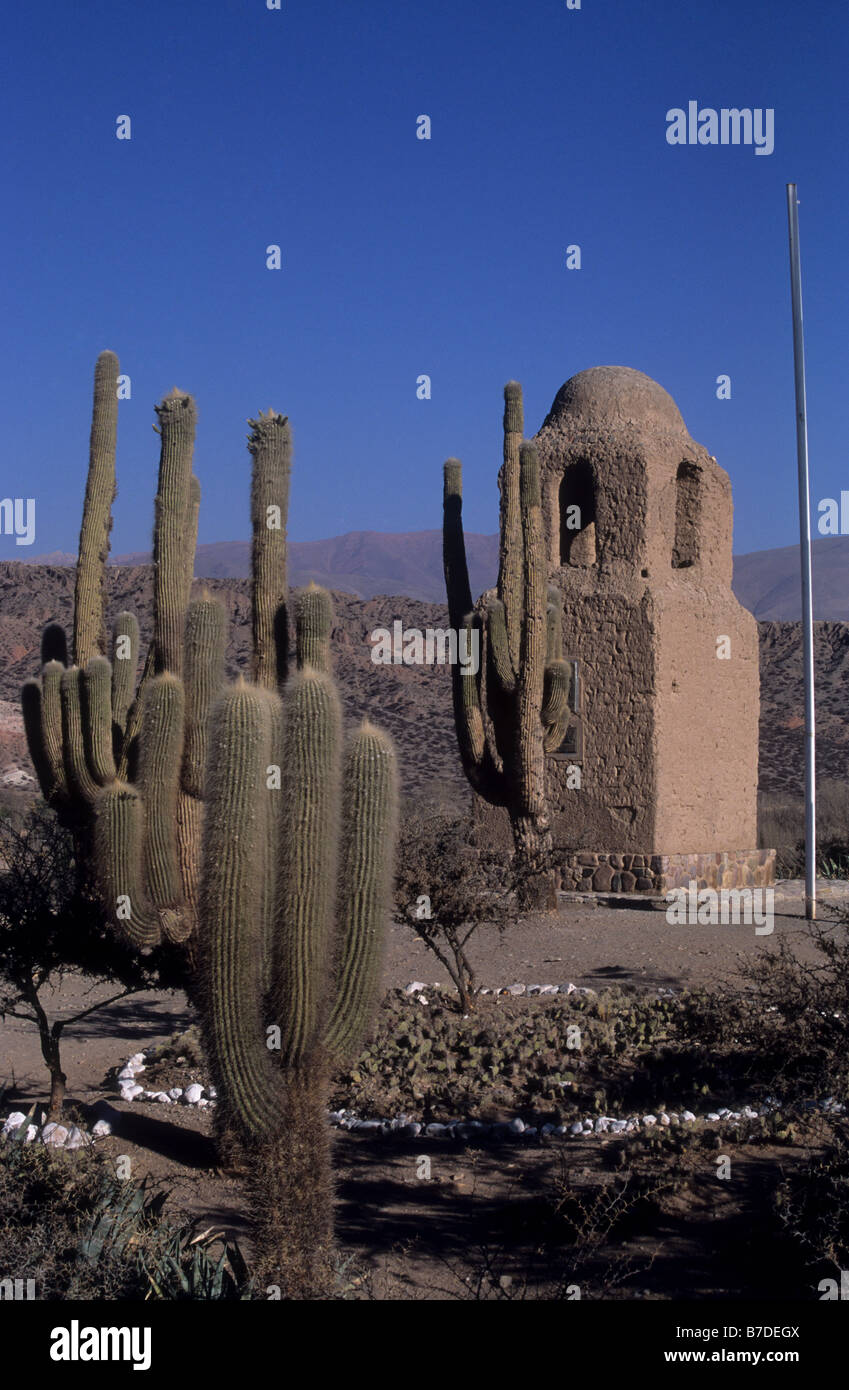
(638,526)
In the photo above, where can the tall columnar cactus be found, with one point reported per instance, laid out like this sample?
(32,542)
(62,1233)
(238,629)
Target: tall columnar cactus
(294,900)
(89,632)
(514,708)
(124,765)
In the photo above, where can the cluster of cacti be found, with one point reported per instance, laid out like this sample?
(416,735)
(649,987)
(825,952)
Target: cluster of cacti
(228,810)
(122,766)
(515,706)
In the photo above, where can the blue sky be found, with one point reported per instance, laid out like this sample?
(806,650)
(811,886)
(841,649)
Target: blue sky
(402,256)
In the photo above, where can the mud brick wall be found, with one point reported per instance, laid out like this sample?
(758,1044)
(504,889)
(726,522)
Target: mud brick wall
(670,728)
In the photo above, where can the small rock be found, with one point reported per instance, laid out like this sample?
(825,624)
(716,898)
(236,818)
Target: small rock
(514,989)
(434,1131)
(516,1126)
(649,1120)
(127,1074)
(576,1128)
(175,1092)
(415,987)
(101,1128)
(712,1115)
(14,1121)
(409,1131)
(76,1139)
(55,1135)
(129,1092)
(664,1118)
(688,1117)
(193,1093)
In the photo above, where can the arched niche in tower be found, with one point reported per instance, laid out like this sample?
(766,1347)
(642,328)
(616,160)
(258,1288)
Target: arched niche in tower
(688,506)
(577,514)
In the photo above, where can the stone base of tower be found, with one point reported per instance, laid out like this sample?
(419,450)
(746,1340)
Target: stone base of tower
(581,871)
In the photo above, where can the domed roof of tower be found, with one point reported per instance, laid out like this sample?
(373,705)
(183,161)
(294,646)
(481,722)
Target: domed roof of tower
(607,397)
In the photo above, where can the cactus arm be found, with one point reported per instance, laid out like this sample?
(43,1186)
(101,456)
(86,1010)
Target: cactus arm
(160,753)
(119,838)
(510,583)
(310,831)
(235,864)
(370,798)
(129,743)
(270,445)
(496,627)
(471,732)
(204,666)
(33,715)
(89,632)
(529,765)
(80,781)
(313,622)
(125,660)
(42,711)
(177,419)
(454,561)
(190,539)
(465,685)
(97,720)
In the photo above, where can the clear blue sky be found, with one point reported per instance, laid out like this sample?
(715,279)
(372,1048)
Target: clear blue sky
(402,256)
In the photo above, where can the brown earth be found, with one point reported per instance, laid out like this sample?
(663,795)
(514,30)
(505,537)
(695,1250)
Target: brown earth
(432,1239)
(429,1239)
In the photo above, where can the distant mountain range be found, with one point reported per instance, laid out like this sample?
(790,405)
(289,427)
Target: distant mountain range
(372,563)
(363,563)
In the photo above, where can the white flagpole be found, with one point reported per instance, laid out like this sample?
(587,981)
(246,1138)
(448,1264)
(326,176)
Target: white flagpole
(805,555)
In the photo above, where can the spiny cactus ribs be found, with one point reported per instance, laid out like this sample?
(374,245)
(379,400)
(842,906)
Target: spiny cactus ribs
(516,707)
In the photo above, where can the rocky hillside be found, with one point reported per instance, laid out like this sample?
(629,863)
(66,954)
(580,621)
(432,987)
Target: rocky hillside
(413,703)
